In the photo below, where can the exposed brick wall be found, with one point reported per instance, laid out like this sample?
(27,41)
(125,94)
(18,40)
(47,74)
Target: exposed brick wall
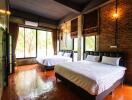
(124,36)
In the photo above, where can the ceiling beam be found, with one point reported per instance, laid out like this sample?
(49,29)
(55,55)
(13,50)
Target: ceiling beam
(95,4)
(70,5)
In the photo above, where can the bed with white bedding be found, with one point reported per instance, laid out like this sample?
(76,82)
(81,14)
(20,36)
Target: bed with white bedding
(62,57)
(93,77)
(96,78)
(53,60)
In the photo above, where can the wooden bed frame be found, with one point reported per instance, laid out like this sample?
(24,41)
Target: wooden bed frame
(85,94)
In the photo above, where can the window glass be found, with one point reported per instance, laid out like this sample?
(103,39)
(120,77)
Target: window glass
(50,50)
(90,43)
(75,44)
(41,39)
(20,44)
(30,42)
(75,48)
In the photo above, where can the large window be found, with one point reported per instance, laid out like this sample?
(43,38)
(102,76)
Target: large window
(41,37)
(45,43)
(90,43)
(50,50)
(20,44)
(30,42)
(33,42)
(26,44)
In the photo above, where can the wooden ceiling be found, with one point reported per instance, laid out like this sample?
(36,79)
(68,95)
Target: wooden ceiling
(52,9)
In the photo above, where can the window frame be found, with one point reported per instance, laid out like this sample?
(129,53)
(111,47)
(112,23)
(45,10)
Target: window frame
(36,29)
(46,38)
(24,57)
(84,43)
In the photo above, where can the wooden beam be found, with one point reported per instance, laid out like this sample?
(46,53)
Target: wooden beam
(68,17)
(70,5)
(95,4)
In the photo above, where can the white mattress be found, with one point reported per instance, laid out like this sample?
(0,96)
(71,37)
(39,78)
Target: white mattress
(93,77)
(53,60)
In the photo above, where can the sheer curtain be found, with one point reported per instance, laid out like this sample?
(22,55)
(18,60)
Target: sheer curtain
(66,41)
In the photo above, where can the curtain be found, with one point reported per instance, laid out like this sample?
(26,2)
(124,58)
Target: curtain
(14,30)
(74,28)
(91,23)
(54,38)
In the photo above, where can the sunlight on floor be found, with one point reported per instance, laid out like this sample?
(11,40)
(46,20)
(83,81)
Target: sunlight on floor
(29,84)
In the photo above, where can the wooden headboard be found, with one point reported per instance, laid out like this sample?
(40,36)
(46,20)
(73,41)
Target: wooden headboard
(109,54)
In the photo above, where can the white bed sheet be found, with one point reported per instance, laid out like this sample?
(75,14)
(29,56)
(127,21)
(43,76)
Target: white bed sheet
(93,77)
(53,60)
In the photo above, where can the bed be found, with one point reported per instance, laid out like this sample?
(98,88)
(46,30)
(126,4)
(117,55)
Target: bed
(95,80)
(50,61)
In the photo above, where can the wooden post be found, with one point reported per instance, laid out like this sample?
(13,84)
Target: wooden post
(80,38)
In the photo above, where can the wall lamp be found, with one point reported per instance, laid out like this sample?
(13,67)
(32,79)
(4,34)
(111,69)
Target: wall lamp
(5,12)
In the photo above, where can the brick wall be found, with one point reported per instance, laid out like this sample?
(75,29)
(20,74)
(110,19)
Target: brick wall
(124,36)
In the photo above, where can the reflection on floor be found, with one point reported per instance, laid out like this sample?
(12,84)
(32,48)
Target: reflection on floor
(31,83)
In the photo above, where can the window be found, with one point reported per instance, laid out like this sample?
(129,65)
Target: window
(75,48)
(90,43)
(26,43)
(30,42)
(20,44)
(50,50)
(41,37)
(75,44)
(33,42)
(45,43)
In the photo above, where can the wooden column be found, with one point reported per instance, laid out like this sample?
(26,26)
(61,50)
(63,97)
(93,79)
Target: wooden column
(80,38)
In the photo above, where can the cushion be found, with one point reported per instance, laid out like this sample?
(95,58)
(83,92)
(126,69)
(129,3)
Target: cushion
(67,55)
(93,58)
(111,60)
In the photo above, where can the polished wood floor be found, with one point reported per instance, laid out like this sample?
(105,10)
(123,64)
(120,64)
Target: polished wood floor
(32,83)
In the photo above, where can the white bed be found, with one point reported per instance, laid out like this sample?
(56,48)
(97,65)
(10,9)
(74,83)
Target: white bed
(93,77)
(53,60)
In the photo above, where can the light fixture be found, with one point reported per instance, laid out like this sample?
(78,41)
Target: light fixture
(5,12)
(115,15)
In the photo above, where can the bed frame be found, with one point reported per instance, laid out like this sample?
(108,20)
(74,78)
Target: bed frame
(85,94)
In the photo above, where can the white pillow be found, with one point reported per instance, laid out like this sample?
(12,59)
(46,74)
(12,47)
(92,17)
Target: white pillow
(60,53)
(67,55)
(111,60)
(93,58)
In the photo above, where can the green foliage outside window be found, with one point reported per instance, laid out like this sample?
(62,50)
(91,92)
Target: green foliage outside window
(90,43)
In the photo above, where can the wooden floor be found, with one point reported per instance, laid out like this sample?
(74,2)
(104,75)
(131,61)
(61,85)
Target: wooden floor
(32,83)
